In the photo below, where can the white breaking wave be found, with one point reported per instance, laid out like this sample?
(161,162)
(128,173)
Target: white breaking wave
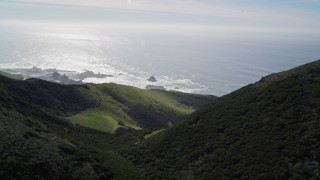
(119,76)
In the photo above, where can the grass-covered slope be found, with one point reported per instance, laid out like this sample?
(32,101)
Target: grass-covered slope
(104,107)
(128,107)
(267,130)
(12,76)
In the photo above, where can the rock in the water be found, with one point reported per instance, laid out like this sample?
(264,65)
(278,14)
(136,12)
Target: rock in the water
(66,80)
(56,76)
(90,74)
(152,79)
(35,70)
(152,87)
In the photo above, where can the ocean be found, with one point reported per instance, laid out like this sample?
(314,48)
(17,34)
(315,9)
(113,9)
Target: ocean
(204,60)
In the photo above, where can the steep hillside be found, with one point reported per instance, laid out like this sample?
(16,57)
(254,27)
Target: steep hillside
(36,144)
(267,130)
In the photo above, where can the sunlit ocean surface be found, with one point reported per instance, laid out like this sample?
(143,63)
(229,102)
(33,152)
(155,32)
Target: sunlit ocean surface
(197,61)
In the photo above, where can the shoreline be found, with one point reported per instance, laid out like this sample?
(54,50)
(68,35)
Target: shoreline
(71,77)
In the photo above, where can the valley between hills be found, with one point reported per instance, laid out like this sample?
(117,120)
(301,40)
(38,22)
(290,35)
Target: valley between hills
(265,130)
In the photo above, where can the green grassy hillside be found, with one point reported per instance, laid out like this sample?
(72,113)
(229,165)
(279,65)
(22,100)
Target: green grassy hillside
(129,107)
(267,130)
(103,107)
(12,76)
(41,139)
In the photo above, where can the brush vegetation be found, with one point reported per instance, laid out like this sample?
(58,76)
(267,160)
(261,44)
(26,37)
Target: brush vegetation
(266,130)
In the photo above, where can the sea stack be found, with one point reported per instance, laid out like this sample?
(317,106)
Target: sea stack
(56,76)
(152,79)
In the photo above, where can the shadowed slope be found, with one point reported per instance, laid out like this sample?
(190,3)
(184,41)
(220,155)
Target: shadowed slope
(260,131)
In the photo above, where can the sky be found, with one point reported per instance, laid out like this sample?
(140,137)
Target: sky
(281,15)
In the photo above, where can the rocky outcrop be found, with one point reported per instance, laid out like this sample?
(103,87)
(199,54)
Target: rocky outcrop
(152,79)
(153,87)
(56,76)
(66,80)
(90,74)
